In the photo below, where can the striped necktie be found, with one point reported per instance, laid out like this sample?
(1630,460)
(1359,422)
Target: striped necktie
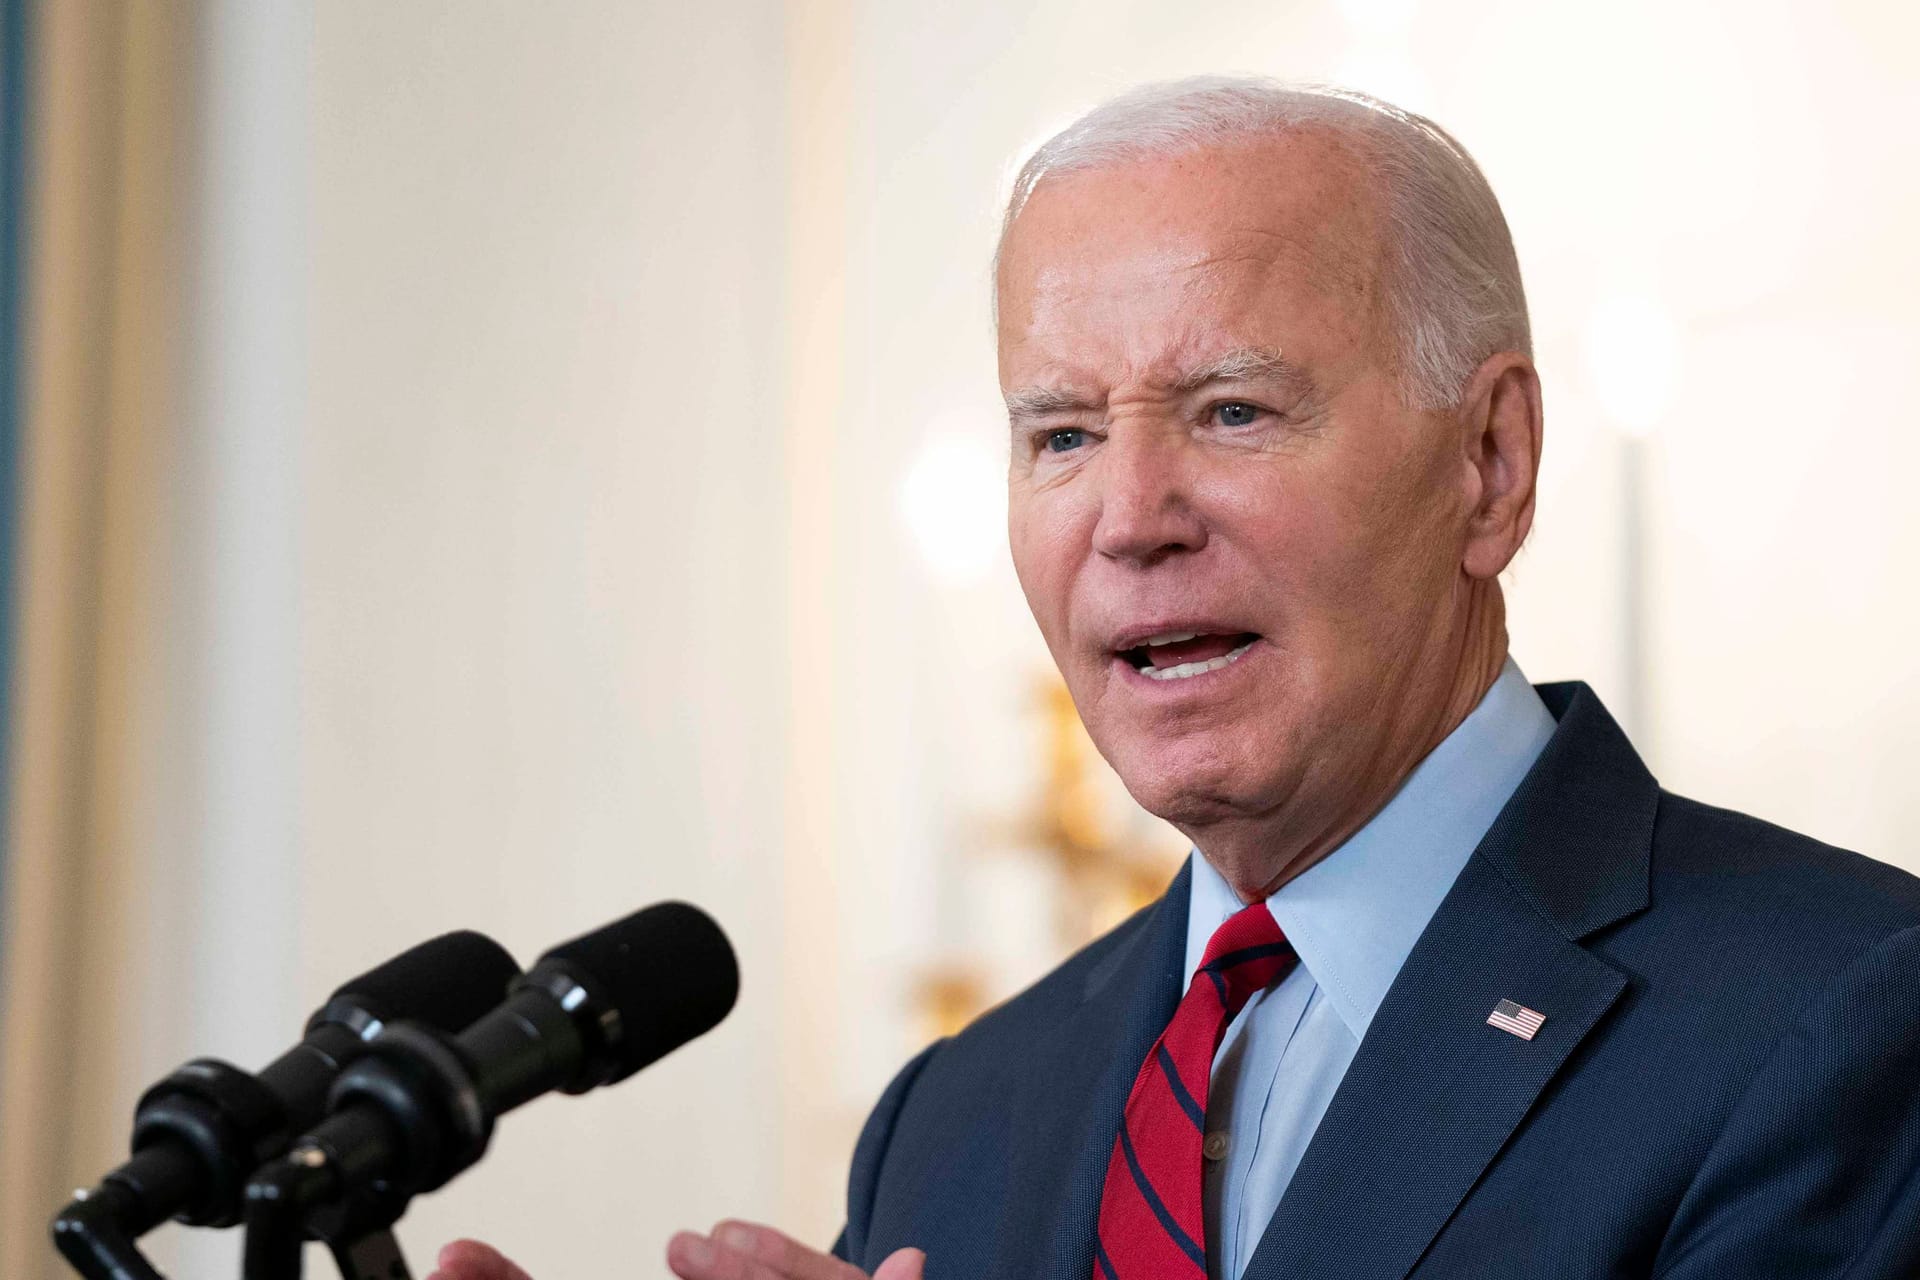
(1152,1223)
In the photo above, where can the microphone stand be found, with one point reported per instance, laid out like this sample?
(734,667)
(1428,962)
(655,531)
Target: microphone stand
(296,1198)
(96,1232)
(182,1128)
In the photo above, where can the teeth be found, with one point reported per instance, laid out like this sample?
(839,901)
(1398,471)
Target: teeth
(1188,670)
(1172,637)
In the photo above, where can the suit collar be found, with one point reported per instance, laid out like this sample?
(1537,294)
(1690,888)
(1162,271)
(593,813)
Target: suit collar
(1434,1092)
(1154,955)
(1081,1073)
(1576,840)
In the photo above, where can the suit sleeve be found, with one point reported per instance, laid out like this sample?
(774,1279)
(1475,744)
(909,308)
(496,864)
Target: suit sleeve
(869,1155)
(1817,1173)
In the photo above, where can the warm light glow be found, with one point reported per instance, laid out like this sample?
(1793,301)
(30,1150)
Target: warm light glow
(954,500)
(1385,69)
(1633,360)
(1378,16)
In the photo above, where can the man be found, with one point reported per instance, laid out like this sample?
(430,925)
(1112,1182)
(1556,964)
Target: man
(1451,987)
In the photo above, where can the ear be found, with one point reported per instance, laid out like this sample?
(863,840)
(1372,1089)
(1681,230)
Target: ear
(1500,421)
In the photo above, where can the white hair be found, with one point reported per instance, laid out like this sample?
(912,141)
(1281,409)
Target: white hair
(1450,279)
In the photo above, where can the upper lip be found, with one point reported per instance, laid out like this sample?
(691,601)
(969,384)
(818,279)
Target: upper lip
(1138,634)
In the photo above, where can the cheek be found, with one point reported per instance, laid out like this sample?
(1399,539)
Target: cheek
(1296,527)
(1340,547)
(1422,516)
(1041,538)
(1402,553)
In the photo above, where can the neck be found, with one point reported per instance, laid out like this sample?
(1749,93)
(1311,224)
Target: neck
(1259,853)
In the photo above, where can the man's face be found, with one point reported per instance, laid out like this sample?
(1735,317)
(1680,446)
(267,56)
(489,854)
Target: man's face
(1209,442)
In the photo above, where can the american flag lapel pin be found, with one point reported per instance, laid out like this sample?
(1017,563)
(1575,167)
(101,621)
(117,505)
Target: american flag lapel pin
(1516,1019)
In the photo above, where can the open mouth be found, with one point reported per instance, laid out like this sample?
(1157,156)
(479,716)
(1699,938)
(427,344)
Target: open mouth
(1182,655)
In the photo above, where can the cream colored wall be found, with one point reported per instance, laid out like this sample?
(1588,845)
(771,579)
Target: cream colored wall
(542,622)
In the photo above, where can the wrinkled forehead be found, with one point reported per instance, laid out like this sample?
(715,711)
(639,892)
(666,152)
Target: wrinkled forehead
(1145,258)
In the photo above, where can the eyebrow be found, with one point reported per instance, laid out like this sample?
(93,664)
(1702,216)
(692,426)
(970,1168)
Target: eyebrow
(1037,402)
(1245,364)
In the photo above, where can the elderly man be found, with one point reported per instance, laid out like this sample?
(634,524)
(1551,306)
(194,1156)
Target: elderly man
(1451,987)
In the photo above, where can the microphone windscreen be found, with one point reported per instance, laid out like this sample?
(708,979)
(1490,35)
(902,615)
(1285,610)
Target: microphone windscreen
(447,982)
(667,969)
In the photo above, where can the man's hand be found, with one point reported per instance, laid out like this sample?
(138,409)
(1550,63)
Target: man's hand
(733,1251)
(748,1251)
(471,1260)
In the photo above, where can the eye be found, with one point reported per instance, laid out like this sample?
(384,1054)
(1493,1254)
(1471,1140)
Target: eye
(1065,440)
(1236,413)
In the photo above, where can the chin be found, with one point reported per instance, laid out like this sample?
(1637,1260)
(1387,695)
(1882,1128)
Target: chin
(1198,783)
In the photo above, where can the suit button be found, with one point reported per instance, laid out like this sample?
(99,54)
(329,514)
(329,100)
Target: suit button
(1215,1147)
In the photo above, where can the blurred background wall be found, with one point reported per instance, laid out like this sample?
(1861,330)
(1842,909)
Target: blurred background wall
(493,464)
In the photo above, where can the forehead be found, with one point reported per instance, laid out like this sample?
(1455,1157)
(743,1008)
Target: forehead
(1269,242)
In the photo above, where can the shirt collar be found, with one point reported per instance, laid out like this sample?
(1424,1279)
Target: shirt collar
(1355,915)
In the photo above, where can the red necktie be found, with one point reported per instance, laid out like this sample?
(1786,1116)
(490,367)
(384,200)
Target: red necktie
(1152,1225)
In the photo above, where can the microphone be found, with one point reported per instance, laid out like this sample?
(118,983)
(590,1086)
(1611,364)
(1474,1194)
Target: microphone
(419,1106)
(200,1132)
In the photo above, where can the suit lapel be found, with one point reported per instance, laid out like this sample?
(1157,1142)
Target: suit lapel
(1434,1092)
(1080,1076)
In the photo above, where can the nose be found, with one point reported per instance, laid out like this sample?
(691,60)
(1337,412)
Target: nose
(1146,513)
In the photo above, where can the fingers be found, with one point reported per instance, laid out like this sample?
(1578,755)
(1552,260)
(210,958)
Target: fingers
(472,1260)
(733,1251)
(902,1264)
(748,1251)
(692,1256)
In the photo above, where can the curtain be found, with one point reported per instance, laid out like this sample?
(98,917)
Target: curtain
(99,351)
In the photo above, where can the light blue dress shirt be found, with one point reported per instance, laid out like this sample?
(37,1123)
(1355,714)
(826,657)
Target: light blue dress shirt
(1353,917)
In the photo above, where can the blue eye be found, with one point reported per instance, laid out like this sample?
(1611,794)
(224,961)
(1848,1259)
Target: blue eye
(1065,441)
(1235,413)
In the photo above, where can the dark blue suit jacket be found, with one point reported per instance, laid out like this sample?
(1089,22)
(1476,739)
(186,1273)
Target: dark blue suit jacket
(1727,1084)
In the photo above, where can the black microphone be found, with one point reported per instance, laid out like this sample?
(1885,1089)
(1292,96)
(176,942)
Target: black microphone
(199,1133)
(419,1106)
